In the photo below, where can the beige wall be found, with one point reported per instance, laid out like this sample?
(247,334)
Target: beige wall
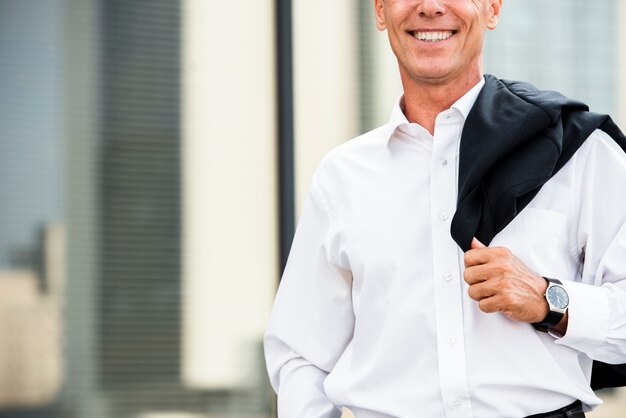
(387,87)
(229,252)
(325,83)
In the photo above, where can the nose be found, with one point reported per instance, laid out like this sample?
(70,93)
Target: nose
(431,8)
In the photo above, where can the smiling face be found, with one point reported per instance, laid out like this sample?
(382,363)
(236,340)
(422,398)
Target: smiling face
(437,41)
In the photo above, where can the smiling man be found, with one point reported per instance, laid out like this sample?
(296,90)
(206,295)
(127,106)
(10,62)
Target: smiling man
(466,259)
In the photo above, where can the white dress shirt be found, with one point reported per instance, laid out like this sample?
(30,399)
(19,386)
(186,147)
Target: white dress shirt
(372,312)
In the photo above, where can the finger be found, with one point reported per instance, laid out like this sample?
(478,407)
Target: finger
(481,291)
(477,274)
(477,244)
(484,255)
(490,304)
(477,256)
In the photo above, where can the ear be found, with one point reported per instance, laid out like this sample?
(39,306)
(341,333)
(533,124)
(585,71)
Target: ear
(494,13)
(379,11)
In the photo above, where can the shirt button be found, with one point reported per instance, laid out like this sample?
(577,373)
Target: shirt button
(451,339)
(443,216)
(443,162)
(456,403)
(448,276)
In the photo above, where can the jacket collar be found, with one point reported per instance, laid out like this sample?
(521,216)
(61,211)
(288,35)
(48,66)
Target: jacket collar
(514,140)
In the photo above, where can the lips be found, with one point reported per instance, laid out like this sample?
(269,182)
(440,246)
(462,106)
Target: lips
(433,36)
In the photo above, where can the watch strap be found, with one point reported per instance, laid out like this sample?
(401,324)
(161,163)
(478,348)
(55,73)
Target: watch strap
(550,321)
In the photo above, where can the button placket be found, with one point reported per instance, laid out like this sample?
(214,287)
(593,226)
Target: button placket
(448,297)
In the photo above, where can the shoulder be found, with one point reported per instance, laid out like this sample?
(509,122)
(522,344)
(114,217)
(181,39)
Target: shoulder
(348,168)
(601,147)
(599,159)
(550,101)
(357,153)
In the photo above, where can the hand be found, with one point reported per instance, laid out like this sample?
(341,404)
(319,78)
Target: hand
(500,282)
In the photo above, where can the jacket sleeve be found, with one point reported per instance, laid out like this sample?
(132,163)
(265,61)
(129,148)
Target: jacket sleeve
(597,311)
(312,320)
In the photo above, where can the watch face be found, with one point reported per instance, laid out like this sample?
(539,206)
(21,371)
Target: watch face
(557,296)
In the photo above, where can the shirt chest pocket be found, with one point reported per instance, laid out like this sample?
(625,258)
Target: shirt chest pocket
(537,237)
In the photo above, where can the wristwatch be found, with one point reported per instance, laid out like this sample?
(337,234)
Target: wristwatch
(558,301)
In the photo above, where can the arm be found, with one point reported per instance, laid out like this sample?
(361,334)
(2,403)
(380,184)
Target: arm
(597,312)
(596,319)
(312,319)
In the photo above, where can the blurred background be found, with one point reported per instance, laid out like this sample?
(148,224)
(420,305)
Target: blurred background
(153,158)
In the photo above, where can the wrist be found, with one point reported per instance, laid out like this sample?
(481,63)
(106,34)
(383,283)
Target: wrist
(561,328)
(543,308)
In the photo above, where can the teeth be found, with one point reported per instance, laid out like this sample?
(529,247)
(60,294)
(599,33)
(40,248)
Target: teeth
(432,36)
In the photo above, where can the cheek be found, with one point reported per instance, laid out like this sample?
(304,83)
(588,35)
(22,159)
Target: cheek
(398,41)
(473,42)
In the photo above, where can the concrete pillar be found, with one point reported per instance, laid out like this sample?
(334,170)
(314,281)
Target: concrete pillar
(621,69)
(325,83)
(229,196)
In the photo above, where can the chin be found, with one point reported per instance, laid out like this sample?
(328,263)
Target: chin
(434,76)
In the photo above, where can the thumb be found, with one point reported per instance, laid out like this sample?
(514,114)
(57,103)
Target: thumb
(477,244)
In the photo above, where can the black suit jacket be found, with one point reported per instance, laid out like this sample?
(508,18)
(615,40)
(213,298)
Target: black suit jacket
(514,140)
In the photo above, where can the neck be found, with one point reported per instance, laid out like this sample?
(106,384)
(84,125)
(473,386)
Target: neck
(424,101)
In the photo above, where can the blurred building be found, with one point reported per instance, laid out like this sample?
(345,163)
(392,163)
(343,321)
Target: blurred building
(139,224)
(118,123)
(31,326)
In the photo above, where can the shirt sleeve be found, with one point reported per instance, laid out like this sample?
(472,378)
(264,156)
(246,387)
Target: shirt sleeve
(312,320)
(597,310)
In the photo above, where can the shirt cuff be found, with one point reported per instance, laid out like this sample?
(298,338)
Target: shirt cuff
(301,392)
(588,312)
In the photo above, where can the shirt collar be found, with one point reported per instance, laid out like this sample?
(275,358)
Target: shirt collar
(462,105)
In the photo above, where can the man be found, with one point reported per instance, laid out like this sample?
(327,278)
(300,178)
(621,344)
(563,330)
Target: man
(392,305)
